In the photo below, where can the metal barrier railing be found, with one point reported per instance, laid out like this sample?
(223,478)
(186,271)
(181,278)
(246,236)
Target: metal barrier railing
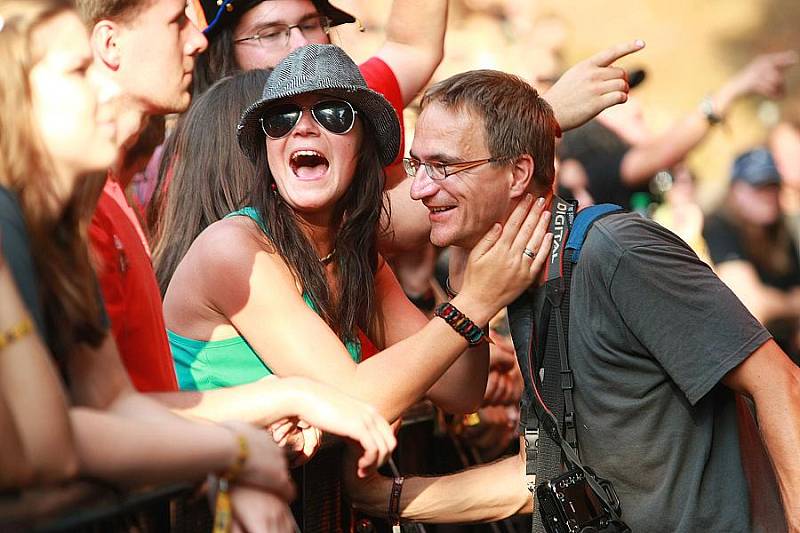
(86,507)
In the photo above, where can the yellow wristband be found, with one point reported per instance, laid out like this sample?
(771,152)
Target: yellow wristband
(241,458)
(21,329)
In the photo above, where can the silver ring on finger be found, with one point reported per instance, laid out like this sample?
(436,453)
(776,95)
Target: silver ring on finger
(529,253)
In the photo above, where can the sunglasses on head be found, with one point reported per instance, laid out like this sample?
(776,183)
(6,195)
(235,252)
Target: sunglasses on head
(336,116)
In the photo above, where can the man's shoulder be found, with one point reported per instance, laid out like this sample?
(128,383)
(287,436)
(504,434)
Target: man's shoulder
(625,231)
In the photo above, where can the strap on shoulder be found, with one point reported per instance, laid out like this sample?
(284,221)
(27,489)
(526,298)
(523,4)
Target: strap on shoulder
(583,223)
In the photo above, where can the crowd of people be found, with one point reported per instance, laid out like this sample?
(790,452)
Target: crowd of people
(214,253)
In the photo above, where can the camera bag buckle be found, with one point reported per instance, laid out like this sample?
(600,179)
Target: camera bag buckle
(531,453)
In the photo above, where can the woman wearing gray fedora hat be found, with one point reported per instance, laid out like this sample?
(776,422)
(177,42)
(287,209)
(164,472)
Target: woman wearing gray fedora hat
(294,285)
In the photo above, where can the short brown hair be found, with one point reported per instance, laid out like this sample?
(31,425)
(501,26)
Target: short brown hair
(516,119)
(93,11)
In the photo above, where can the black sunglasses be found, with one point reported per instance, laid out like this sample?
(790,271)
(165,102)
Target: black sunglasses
(336,116)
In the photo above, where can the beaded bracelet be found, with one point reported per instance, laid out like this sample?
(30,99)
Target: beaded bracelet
(21,329)
(459,322)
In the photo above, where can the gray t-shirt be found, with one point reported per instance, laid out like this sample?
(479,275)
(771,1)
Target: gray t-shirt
(652,333)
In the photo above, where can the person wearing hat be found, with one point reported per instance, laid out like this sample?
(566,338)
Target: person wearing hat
(294,285)
(247,34)
(753,250)
(124,35)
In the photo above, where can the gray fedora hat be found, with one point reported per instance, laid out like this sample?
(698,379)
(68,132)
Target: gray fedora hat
(328,69)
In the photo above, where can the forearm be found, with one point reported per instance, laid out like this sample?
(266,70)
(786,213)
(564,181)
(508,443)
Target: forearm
(642,161)
(481,494)
(465,381)
(671,147)
(413,49)
(462,387)
(764,302)
(403,373)
(262,402)
(131,452)
(33,397)
(770,304)
(15,470)
(778,412)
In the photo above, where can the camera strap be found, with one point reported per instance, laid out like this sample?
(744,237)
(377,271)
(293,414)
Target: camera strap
(552,377)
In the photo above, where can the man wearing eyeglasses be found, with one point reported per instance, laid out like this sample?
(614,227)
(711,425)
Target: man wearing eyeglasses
(658,345)
(249,34)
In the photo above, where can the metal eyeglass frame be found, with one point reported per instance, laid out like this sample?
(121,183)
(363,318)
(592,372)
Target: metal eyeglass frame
(324,25)
(412,166)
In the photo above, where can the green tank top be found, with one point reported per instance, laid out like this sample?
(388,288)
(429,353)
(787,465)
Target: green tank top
(203,365)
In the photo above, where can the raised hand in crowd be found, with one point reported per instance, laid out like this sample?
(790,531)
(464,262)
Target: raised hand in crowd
(765,76)
(591,86)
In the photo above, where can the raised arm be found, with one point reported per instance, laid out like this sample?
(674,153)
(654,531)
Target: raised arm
(591,86)
(414,44)
(764,75)
(772,380)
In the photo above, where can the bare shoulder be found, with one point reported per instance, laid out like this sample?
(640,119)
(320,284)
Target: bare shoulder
(235,252)
(230,239)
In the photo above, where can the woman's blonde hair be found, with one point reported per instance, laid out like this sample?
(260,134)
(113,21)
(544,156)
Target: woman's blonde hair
(57,230)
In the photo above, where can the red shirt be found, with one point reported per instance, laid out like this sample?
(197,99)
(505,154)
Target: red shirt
(380,78)
(130,292)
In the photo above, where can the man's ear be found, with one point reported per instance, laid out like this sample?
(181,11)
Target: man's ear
(521,175)
(105,43)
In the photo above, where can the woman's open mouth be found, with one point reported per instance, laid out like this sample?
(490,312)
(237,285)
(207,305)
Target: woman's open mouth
(308,164)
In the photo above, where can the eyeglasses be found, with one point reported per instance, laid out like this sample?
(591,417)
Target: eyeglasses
(276,36)
(336,116)
(440,171)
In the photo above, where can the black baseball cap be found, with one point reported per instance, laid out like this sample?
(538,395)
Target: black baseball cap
(217,14)
(756,168)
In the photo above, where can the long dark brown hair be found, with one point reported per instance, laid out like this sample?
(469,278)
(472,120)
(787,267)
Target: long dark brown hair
(356,216)
(216,62)
(204,175)
(57,229)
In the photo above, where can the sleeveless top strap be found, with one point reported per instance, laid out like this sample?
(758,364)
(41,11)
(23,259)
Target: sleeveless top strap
(250,212)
